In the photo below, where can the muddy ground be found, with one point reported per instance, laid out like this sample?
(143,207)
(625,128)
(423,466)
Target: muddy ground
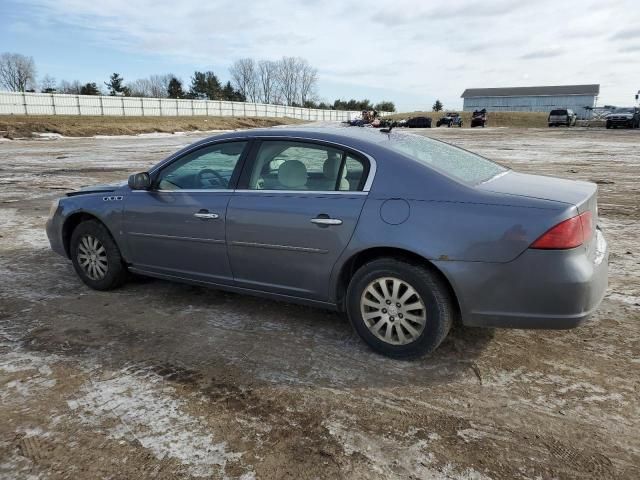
(161,380)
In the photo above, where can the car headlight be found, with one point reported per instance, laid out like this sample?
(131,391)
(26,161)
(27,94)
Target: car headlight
(54,207)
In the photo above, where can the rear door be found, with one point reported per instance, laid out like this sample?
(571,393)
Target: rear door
(295,212)
(177,228)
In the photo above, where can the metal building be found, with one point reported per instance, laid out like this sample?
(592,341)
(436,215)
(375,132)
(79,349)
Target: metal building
(579,98)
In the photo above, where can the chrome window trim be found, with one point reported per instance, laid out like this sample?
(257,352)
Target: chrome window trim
(307,192)
(197,146)
(373,166)
(189,190)
(372,161)
(247,190)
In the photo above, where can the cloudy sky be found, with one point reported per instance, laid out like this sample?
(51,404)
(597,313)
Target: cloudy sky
(407,51)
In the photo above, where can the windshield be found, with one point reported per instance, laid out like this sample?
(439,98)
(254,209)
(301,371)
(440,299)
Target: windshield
(453,161)
(558,112)
(623,110)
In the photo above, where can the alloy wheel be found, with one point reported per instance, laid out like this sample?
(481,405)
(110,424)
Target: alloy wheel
(92,257)
(393,311)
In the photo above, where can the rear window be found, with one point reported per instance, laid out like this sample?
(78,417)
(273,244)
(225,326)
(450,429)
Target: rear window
(558,112)
(623,110)
(452,161)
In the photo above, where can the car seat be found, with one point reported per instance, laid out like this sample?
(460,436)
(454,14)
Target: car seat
(330,169)
(292,175)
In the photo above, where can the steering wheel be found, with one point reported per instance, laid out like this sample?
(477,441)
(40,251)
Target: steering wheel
(209,178)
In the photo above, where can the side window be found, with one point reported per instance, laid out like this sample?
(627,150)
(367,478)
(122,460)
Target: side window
(354,173)
(207,168)
(284,165)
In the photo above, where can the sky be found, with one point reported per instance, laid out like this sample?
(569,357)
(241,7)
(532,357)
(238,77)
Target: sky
(409,52)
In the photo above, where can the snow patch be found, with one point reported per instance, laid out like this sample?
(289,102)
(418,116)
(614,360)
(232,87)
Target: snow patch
(12,228)
(471,434)
(47,135)
(149,412)
(387,455)
(34,375)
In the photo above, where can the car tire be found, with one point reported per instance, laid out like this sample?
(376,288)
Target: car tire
(400,333)
(96,257)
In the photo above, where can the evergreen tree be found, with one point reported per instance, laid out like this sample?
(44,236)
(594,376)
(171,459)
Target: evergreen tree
(89,89)
(385,106)
(174,89)
(205,85)
(437,107)
(116,85)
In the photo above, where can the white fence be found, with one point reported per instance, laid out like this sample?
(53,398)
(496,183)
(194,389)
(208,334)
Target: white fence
(18,103)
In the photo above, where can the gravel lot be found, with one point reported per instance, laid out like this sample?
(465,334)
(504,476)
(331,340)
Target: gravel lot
(160,380)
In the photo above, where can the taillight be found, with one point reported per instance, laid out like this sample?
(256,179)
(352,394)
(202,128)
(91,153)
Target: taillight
(568,234)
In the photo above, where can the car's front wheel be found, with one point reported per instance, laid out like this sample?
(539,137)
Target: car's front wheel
(96,257)
(398,309)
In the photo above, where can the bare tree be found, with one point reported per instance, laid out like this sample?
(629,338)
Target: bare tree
(48,84)
(267,80)
(70,88)
(308,82)
(159,85)
(155,86)
(17,72)
(289,79)
(139,88)
(244,76)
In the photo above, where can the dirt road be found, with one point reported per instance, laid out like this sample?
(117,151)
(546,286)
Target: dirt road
(160,380)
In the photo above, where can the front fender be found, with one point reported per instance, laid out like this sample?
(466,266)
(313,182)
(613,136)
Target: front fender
(107,207)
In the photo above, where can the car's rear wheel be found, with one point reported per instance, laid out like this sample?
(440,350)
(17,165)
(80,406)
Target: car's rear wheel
(96,257)
(398,309)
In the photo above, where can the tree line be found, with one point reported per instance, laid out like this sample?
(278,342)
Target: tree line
(289,81)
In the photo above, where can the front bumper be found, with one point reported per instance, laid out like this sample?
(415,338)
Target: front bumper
(540,289)
(626,122)
(54,234)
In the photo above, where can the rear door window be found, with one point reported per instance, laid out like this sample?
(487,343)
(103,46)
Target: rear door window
(301,166)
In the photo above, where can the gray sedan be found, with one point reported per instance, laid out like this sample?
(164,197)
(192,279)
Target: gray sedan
(403,233)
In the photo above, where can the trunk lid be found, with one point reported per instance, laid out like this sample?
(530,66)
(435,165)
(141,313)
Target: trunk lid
(582,195)
(573,192)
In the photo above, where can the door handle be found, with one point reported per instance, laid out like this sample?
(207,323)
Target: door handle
(326,221)
(206,215)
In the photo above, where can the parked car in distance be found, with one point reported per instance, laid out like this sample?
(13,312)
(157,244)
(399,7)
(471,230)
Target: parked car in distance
(626,117)
(450,119)
(479,118)
(418,122)
(403,233)
(562,116)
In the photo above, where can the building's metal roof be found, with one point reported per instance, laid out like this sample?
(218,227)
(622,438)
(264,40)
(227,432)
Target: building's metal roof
(532,91)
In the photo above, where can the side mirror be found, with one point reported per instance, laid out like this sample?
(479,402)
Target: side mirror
(140,181)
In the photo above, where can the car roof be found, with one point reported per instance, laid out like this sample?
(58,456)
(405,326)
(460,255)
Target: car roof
(355,137)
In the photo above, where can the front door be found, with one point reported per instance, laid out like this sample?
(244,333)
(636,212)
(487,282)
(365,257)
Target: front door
(177,228)
(295,211)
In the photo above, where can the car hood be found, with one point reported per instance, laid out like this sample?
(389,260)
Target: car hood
(97,189)
(572,192)
(624,115)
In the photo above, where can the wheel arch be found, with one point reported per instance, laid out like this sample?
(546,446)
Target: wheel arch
(72,222)
(353,263)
